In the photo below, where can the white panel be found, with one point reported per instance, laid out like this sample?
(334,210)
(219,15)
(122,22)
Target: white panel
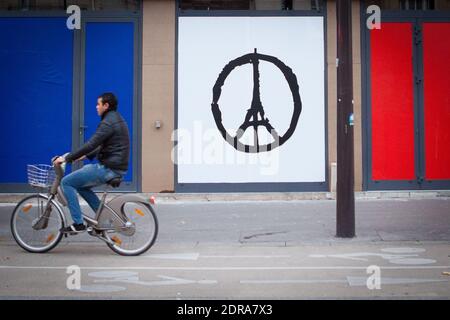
(205,46)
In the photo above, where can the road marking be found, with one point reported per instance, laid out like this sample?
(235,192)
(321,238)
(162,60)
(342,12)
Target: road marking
(100,288)
(362,281)
(113,274)
(290,281)
(403,250)
(229,268)
(127,277)
(394,255)
(167,281)
(174,256)
(412,261)
(351,281)
(245,257)
(358,256)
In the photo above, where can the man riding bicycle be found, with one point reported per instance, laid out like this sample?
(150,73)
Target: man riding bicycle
(111,145)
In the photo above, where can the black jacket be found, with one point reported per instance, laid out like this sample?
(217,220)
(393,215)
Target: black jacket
(110,143)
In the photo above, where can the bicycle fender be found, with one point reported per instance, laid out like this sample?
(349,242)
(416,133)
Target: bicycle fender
(118,202)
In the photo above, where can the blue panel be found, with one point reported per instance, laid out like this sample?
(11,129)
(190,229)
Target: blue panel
(36,60)
(109,68)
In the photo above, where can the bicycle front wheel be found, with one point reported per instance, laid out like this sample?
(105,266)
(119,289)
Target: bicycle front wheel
(142,233)
(25,214)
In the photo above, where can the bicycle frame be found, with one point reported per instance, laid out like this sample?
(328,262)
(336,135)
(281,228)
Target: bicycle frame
(96,221)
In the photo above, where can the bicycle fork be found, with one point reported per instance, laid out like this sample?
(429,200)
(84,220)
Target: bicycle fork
(42,222)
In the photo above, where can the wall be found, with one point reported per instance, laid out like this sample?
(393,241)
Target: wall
(158,97)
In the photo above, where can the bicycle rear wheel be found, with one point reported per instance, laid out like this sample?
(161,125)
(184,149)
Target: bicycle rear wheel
(23,216)
(141,236)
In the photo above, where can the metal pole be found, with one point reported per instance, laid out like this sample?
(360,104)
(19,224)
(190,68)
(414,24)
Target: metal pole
(345,196)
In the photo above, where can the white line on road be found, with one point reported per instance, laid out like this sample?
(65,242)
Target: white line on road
(174,256)
(290,281)
(196,255)
(167,281)
(247,256)
(230,268)
(351,281)
(362,281)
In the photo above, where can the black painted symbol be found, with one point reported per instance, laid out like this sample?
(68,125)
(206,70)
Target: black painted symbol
(255,116)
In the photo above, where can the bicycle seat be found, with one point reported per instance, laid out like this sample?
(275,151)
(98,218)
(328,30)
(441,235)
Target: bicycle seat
(115,182)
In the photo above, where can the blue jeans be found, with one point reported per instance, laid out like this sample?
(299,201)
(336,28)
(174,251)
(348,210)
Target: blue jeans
(82,181)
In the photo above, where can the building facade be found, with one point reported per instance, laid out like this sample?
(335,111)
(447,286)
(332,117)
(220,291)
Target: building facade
(229,96)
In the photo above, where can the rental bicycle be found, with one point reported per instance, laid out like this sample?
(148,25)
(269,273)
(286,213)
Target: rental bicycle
(127,223)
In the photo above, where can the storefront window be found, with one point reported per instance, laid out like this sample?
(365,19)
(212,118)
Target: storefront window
(251,5)
(436,5)
(90,5)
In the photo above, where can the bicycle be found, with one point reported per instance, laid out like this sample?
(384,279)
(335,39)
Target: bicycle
(127,223)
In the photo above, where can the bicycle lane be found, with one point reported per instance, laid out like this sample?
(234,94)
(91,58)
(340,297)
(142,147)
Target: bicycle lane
(213,271)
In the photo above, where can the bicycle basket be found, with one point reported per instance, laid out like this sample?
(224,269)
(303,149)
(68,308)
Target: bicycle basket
(40,175)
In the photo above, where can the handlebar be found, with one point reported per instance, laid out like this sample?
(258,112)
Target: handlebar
(59,169)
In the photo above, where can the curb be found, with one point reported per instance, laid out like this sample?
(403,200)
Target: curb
(266,196)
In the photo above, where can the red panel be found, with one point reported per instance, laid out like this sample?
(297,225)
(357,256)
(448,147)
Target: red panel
(392,91)
(436,64)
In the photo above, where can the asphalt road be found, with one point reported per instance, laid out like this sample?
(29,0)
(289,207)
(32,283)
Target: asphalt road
(250,250)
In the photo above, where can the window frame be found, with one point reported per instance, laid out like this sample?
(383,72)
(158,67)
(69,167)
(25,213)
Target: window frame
(407,12)
(249,12)
(58,12)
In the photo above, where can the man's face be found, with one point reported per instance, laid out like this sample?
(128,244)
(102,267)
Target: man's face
(101,108)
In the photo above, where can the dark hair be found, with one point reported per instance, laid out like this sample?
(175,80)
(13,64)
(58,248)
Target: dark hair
(110,99)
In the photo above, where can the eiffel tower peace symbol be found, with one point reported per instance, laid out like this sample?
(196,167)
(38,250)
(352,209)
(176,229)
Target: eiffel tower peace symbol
(255,116)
